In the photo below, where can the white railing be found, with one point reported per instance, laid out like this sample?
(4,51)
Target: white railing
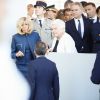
(74,73)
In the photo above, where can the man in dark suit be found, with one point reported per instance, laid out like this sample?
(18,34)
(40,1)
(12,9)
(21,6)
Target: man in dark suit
(95,77)
(80,29)
(44,74)
(90,9)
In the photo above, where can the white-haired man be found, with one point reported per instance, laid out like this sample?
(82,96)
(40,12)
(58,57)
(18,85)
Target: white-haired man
(62,42)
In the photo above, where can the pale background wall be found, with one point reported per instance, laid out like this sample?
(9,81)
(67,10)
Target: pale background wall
(74,72)
(74,75)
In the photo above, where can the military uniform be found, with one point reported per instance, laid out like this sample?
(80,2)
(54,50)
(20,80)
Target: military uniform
(44,31)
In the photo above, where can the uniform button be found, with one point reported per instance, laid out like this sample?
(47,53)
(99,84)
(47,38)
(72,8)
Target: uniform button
(99,34)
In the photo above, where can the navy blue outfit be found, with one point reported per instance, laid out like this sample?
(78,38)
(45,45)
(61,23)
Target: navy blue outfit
(95,77)
(96,36)
(26,44)
(83,45)
(44,74)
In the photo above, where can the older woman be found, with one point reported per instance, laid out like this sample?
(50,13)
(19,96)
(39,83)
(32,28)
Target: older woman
(23,43)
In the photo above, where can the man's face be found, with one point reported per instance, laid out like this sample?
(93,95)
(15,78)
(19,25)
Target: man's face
(56,31)
(68,15)
(90,10)
(76,11)
(51,14)
(31,10)
(39,10)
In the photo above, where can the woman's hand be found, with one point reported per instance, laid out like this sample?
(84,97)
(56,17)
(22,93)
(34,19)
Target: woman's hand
(19,54)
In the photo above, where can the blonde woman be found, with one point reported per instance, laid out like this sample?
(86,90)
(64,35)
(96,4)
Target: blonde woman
(23,44)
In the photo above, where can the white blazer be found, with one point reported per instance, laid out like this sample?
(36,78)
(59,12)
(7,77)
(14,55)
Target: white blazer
(66,44)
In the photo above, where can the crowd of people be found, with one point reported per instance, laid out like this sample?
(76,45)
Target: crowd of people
(74,29)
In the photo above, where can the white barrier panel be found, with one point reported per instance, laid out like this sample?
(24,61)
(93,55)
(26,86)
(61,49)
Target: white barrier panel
(74,73)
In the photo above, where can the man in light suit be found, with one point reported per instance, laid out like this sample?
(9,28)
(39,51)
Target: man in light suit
(81,33)
(42,24)
(62,42)
(44,74)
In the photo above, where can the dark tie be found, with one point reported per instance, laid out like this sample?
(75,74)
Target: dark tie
(79,27)
(92,20)
(55,47)
(40,22)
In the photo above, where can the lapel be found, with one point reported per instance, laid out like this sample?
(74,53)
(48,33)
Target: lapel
(74,28)
(85,25)
(36,23)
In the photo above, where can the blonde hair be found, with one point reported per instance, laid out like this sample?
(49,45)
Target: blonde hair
(22,21)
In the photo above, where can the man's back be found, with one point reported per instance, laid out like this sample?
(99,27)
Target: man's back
(45,75)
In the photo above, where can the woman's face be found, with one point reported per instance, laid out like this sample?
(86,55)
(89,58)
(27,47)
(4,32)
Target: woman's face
(25,27)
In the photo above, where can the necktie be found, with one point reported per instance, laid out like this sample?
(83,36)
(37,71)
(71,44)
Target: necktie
(79,27)
(40,22)
(55,47)
(92,20)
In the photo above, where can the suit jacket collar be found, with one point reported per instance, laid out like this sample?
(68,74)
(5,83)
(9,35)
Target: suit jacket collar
(74,27)
(85,25)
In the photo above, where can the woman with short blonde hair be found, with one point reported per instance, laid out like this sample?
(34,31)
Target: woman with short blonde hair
(21,22)
(23,44)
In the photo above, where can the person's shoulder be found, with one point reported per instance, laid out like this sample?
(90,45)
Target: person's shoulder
(68,38)
(70,22)
(16,35)
(66,35)
(50,62)
(47,20)
(86,19)
(35,33)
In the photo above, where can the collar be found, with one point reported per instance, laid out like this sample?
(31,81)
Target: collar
(78,19)
(95,18)
(42,19)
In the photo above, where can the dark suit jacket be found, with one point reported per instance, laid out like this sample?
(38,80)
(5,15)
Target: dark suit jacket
(45,75)
(95,77)
(96,36)
(19,43)
(83,45)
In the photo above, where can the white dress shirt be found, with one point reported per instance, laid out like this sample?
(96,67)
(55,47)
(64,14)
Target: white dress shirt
(82,25)
(94,19)
(66,44)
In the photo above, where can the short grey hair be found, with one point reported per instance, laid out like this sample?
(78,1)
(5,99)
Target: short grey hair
(59,23)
